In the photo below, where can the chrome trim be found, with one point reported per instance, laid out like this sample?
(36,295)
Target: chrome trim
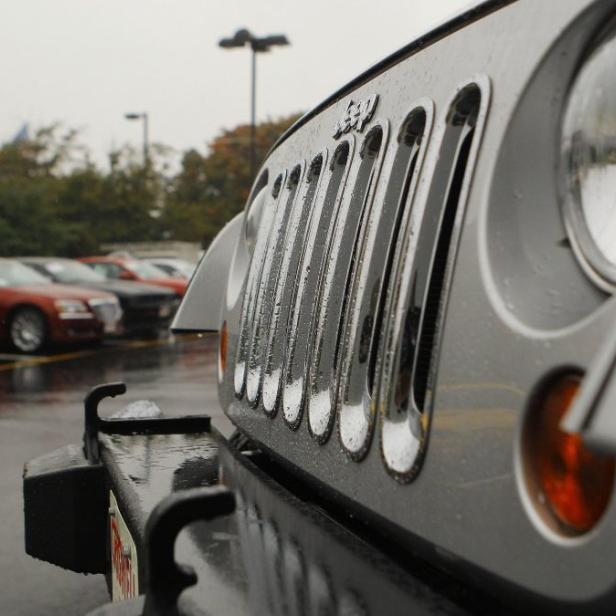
(285,289)
(333,299)
(269,278)
(356,406)
(253,282)
(76,316)
(321,228)
(404,426)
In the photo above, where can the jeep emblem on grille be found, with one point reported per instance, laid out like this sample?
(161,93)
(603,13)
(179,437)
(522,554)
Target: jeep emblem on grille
(356,116)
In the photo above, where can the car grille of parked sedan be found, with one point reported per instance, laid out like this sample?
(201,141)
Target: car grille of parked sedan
(107,311)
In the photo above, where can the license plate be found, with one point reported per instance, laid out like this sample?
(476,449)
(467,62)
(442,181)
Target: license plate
(124,566)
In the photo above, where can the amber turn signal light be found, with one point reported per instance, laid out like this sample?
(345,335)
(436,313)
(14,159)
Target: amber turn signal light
(570,483)
(222,351)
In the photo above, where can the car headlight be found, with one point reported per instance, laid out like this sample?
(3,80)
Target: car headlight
(71,306)
(589,164)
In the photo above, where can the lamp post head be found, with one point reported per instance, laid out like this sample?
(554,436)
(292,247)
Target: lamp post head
(239,39)
(266,42)
(244,37)
(134,116)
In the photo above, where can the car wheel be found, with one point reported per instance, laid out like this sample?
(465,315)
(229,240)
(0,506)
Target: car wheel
(28,330)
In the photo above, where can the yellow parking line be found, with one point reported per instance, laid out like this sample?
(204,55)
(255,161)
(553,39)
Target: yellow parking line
(44,360)
(136,344)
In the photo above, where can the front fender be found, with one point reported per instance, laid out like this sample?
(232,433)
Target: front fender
(201,307)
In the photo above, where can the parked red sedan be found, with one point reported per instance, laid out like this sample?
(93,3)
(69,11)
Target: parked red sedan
(35,312)
(125,268)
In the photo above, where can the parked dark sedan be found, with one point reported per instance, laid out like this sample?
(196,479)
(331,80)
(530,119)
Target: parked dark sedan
(147,308)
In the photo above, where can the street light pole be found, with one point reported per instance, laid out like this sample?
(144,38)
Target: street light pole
(257,45)
(146,139)
(146,134)
(253,114)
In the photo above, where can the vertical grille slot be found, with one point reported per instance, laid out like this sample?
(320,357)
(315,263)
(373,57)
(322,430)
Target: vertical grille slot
(461,132)
(418,292)
(254,275)
(269,277)
(370,278)
(333,296)
(286,285)
(300,331)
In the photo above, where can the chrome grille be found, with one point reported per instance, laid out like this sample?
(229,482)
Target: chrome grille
(334,325)
(307,284)
(254,282)
(369,281)
(417,294)
(333,295)
(285,289)
(269,277)
(107,311)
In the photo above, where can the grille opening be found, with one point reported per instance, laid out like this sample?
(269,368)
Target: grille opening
(253,212)
(314,171)
(300,323)
(294,176)
(368,153)
(409,139)
(277,186)
(340,156)
(408,344)
(462,119)
(257,187)
(372,143)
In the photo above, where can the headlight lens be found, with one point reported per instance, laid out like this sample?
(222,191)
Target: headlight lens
(589,160)
(71,306)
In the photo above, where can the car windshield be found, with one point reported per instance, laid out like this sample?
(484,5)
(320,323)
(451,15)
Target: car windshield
(14,274)
(184,267)
(69,272)
(175,267)
(144,270)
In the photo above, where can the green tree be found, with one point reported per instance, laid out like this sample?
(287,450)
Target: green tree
(31,176)
(54,201)
(209,190)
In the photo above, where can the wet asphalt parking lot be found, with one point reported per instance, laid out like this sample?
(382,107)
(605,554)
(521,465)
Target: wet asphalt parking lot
(41,410)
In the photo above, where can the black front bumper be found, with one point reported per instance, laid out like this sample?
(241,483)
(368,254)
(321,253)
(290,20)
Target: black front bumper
(247,543)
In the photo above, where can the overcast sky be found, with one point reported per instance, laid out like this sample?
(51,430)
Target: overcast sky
(87,62)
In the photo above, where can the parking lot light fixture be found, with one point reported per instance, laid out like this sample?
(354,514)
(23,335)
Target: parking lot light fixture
(258,44)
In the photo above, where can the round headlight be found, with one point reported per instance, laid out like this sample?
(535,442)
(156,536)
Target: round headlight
(589,164)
